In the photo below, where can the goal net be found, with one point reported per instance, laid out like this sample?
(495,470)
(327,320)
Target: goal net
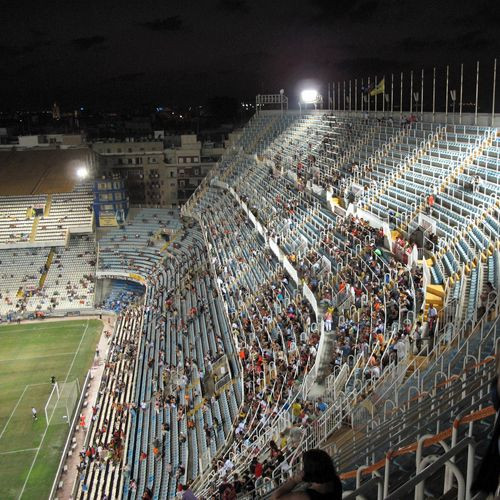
(61,403)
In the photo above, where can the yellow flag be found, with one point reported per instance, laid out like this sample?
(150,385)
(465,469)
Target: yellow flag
(379,89)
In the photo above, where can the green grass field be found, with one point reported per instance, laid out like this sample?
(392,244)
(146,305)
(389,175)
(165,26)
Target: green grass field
(29,355)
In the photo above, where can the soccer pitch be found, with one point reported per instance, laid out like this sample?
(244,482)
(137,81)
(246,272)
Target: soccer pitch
(29,355)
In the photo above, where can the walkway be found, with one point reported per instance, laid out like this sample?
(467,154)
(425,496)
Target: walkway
(97,370)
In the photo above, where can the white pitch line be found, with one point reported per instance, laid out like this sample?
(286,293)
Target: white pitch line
(46,428)
(17,451)
(38,357)
(76,352)
(17,404)
(38,328)
(13,411)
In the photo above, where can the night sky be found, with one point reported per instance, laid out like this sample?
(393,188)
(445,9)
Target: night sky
(110,53)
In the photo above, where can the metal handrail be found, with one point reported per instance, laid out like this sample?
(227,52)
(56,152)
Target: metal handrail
(432,469)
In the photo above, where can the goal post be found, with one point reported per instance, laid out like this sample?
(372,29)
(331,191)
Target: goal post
(51,402)
(61,403)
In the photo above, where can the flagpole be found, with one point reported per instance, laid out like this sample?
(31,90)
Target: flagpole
(338,96)
(461,91)
(434,94)
(368,95)
(329,97)
(422,97)
(401,99)
(344,96)
(447,85)
(477,92)
(376,95)
(494,88)
(411,92)
(383,97)
(356,95)
(350,97)
(392,93)
(362,103)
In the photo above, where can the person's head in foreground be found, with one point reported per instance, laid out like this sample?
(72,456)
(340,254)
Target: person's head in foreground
(319,472)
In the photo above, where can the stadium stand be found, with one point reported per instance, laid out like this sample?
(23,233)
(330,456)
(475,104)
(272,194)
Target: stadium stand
(47,250)
(73,267)
(121,294)
(286,307)
(48,279)
(68,212)
(259,186)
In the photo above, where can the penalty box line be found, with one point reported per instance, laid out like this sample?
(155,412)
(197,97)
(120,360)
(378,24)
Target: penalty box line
(17,405)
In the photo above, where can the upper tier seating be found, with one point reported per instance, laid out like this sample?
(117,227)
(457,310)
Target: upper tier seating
(45,279)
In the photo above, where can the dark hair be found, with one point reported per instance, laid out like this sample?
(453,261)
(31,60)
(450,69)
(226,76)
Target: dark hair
(318,467)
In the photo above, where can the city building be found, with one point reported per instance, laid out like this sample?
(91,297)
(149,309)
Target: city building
(163,171)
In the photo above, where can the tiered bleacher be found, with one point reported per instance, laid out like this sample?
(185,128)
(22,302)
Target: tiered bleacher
(187,391)
(68,212)
(47,253)
(122,294)
(16,221)
(291,308)
(20,273)
(282,194)
(48,279)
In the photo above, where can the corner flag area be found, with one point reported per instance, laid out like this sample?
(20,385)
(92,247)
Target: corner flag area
(30,354)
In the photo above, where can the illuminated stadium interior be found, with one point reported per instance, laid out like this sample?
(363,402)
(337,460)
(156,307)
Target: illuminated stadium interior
(331,284)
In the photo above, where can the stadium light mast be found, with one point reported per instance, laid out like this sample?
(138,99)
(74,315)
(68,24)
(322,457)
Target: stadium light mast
(82,172)
(310,96)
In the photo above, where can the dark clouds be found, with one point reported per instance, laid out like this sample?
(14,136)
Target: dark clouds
(171,23)
(125,77)
(233,6)
(468,41)
(86,43)
(328,11)
(190,50)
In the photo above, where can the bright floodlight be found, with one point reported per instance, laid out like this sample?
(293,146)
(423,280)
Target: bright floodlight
(82,172)
(309,96)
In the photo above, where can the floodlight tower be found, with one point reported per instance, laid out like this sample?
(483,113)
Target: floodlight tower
(310,96)
(82,172)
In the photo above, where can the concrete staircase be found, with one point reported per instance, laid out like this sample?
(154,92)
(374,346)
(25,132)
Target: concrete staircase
(48,205)
(43,277)
(33,229)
